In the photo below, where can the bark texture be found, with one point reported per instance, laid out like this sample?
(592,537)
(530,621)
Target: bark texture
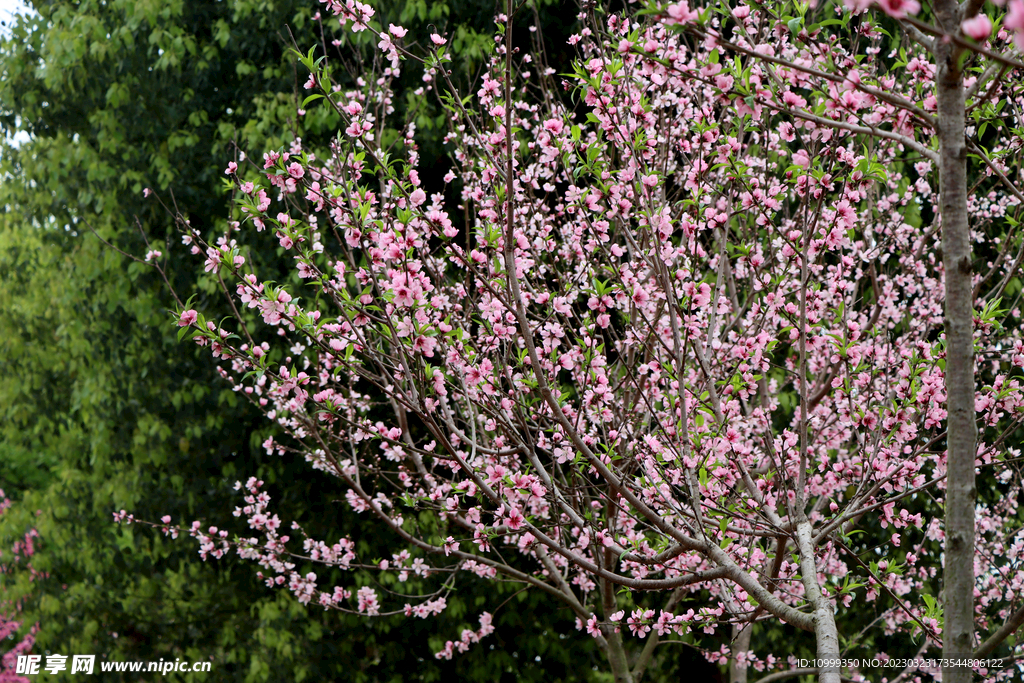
(740,643)
(958,572)
(825,632)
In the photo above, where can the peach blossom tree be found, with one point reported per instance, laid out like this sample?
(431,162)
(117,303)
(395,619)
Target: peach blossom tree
(721,329)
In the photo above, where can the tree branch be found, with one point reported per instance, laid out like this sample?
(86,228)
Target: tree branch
(1011,625)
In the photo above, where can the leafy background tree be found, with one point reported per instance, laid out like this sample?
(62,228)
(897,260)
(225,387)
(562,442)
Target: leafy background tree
(103,409)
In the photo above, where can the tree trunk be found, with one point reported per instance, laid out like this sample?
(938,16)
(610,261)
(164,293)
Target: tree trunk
(617,658)
(958,573)
(740,643)
(825,632)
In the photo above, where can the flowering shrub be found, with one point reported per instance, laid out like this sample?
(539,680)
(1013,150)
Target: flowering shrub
(20,552)
(693,338)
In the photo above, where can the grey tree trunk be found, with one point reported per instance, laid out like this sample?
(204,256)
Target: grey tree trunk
(825,632)
(740,643)
(958,572)
(617,658)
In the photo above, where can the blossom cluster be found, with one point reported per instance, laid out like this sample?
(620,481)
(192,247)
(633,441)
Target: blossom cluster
(19,557)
